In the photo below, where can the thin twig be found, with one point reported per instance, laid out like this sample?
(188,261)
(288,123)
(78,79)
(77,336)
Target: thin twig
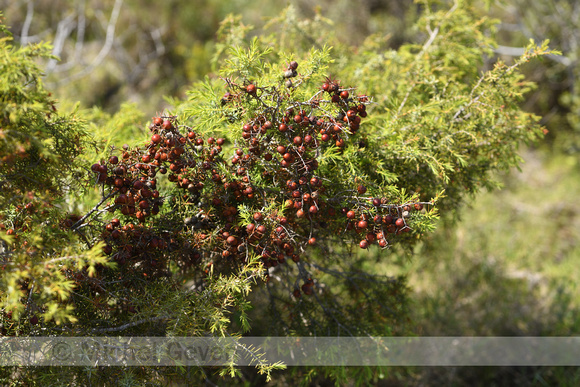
(26,26)
(109,40)
(95,208)
(131,324)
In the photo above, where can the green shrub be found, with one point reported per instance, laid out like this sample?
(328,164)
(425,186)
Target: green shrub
(263,189)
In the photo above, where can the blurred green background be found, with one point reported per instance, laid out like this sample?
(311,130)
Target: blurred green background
(509,266)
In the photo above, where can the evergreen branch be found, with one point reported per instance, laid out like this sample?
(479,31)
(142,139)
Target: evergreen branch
(130,325)
(524,58)
(432,35)
(93,210)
